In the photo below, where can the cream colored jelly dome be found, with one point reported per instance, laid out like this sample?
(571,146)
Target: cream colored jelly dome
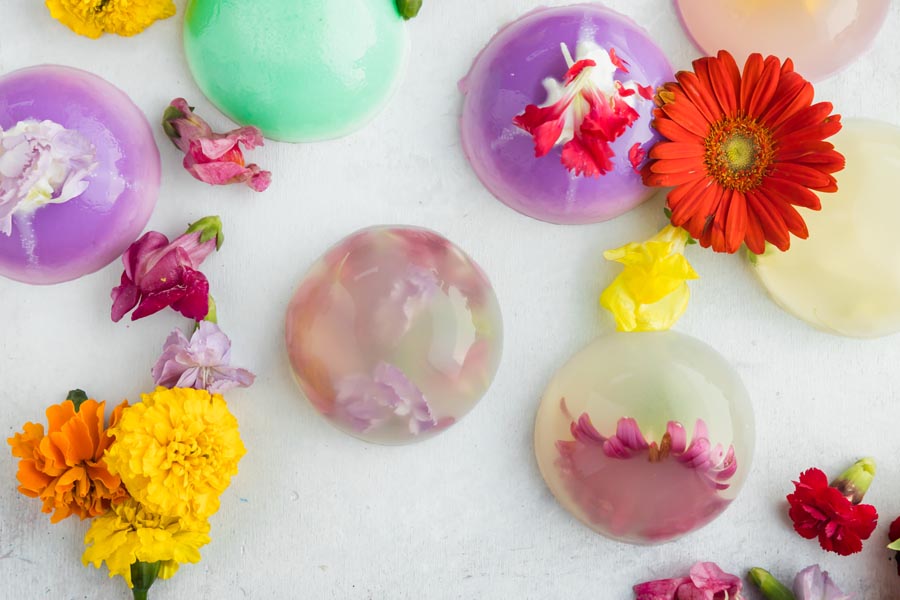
(845,278)
(645,437)
(394,334)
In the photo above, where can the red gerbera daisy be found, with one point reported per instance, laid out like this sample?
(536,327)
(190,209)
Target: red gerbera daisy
(742,150)
(820,510)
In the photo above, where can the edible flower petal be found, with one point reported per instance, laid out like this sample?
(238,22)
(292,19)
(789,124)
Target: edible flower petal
(585,112)
(651,292)
(743,151)
(65,467)
(214,158)
(41,163)
(200,363)
(705,582)
(93,18)
(131,533)
(159,273)
(823,511)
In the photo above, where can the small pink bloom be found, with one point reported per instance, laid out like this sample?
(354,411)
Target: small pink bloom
(706,582)
(214,158)
(159,273)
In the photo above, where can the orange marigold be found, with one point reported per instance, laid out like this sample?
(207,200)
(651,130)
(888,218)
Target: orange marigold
(65,467)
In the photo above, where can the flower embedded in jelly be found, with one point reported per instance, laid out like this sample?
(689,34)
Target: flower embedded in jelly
(41,163)
(587,111)
(621,482)
(366,402)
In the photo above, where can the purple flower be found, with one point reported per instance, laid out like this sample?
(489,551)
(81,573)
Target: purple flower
(706,582)
(365,402)
(812,583)
(41,163)
(200,363)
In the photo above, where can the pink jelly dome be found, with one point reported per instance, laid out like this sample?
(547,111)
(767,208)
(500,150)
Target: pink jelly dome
(508,75)
(65,241)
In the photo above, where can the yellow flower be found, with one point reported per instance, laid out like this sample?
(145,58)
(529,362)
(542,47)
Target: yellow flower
(176,451)
(651,292)
(129,533)
(93,18)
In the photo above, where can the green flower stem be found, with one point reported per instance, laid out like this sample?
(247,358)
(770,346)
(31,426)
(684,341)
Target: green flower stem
(142,577)
(855,481)
(769,586)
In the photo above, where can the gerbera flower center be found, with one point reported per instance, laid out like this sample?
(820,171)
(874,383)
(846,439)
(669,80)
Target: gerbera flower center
(739,152)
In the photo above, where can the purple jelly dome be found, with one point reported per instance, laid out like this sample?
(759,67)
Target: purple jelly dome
(508,74)
(61,242)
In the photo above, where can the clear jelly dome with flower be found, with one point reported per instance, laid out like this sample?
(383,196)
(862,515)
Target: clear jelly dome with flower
(394,334)
(845,278)
(645,437)
(300,70)
(820,36)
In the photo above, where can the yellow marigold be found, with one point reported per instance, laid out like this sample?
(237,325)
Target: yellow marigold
(65,467)
(93,18)
(651,292)
(130,533)
(176,451)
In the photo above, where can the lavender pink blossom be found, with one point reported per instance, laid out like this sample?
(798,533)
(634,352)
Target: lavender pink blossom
(364,401)
(201,362)
(812,583)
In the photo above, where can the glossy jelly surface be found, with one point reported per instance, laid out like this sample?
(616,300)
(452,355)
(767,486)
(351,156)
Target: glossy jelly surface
(845,279)
(60,242)
(509,74)
(821,36)
(394,334)
(645,437)
(300,70)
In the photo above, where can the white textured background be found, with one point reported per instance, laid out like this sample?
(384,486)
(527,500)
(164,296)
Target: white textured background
(317,514)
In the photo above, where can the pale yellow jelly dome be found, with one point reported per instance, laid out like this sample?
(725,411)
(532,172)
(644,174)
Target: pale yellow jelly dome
(645,437)
(845,278)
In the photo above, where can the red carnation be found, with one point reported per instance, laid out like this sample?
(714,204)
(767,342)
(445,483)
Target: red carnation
(894,534)
(833,513)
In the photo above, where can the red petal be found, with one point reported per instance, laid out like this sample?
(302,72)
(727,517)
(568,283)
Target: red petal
(587,156)
(761,95)
(636,155)
(755,238)
(793,94)
(675,132)
(775,229)
(791,192)
(545,124)
(687,115)
(804,175)
(815,115)
(792,219)
(576,69)
(686,192)
(645,90)
(736,223)
(894,531)
(677,150)
(620,64)
(624,91)
(698,95)
(194,304)
(679,165)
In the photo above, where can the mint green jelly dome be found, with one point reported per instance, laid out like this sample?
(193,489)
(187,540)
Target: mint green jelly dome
(300,70)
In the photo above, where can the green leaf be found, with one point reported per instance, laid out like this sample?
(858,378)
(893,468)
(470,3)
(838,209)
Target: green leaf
(667,212)
(409,8)
(895,545)
(77,397)
(211,315)
(769,586)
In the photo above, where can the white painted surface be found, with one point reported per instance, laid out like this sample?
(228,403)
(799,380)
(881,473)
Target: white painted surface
(317,514)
